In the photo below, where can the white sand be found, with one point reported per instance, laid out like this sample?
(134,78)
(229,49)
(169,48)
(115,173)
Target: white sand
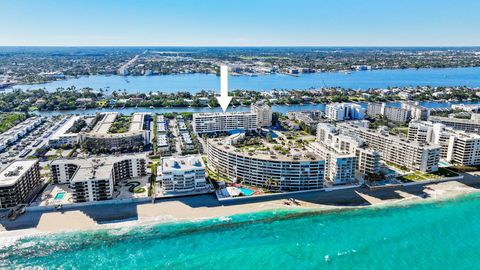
(178,210)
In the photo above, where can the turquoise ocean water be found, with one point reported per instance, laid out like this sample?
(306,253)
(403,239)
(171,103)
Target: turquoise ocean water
(440,235)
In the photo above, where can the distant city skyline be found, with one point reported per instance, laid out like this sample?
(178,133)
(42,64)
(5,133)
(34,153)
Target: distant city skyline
(245,23)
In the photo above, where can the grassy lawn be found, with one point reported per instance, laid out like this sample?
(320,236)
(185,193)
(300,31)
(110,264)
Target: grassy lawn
(357,99)
(396,167)
(9,120)
(401,130)
(121,124)
(53,157)
(217,177)
(421,176)
(155,160)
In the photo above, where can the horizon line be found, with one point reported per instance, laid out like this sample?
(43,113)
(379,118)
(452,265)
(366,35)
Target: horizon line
(255,46)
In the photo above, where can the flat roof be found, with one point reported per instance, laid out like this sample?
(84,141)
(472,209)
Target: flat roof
(95,167)
(456,120)
(213,114)
(103,126)
(162,140)
(270,155)
(63,129)
(137,122)
(20,127)
(14,171)
(183,163)
(395,138)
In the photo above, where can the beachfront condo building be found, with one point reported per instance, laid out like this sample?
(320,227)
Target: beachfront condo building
(344,111)
(401,152)
(329,139)
(271,170)
(394,114)
(224,122)
(19,182)
(368,160)
(339,165)
(457,146)
(94,179)
(468,125)
(185,174)
(263,112)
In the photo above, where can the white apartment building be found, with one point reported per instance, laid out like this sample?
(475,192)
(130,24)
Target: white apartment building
(100,140)
(308,117)
(344,111)
(273,172)
(18,182)
(264,114)
(391,113)
(222,122)
(417,112)
(457,146)
(94,179)
(401,152)
(183,174)
(468,125)
(163,144)
(340,165)
(162,125)
(367,161)
(61,137)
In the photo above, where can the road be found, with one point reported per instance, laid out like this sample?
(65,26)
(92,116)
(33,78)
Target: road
(174,129)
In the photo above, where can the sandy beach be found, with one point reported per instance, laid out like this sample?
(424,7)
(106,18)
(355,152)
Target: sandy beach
(207,207)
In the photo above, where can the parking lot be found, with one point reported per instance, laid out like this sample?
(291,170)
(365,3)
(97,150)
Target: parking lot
(27,145)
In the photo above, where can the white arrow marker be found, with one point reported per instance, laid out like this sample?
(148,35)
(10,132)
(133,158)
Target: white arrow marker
(224,99)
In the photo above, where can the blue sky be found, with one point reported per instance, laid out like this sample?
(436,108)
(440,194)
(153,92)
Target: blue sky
(240,22)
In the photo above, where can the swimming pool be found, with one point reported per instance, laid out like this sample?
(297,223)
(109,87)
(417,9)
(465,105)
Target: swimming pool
(246,192)
(59,196)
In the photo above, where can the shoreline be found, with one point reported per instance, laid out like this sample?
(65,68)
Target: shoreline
(453,77)
(275,107)
(73,77)
(179,211)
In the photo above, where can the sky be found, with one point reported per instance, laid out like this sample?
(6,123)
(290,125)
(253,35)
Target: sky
(239,23)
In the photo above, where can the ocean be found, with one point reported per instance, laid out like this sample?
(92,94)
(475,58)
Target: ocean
(432,235)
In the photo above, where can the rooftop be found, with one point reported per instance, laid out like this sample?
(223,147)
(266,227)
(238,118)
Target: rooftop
(182,163)
(456,120)
(63,128)
(13,172)
(213,114)
(95,168)
(103,125)
(395,138)
(264,150)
